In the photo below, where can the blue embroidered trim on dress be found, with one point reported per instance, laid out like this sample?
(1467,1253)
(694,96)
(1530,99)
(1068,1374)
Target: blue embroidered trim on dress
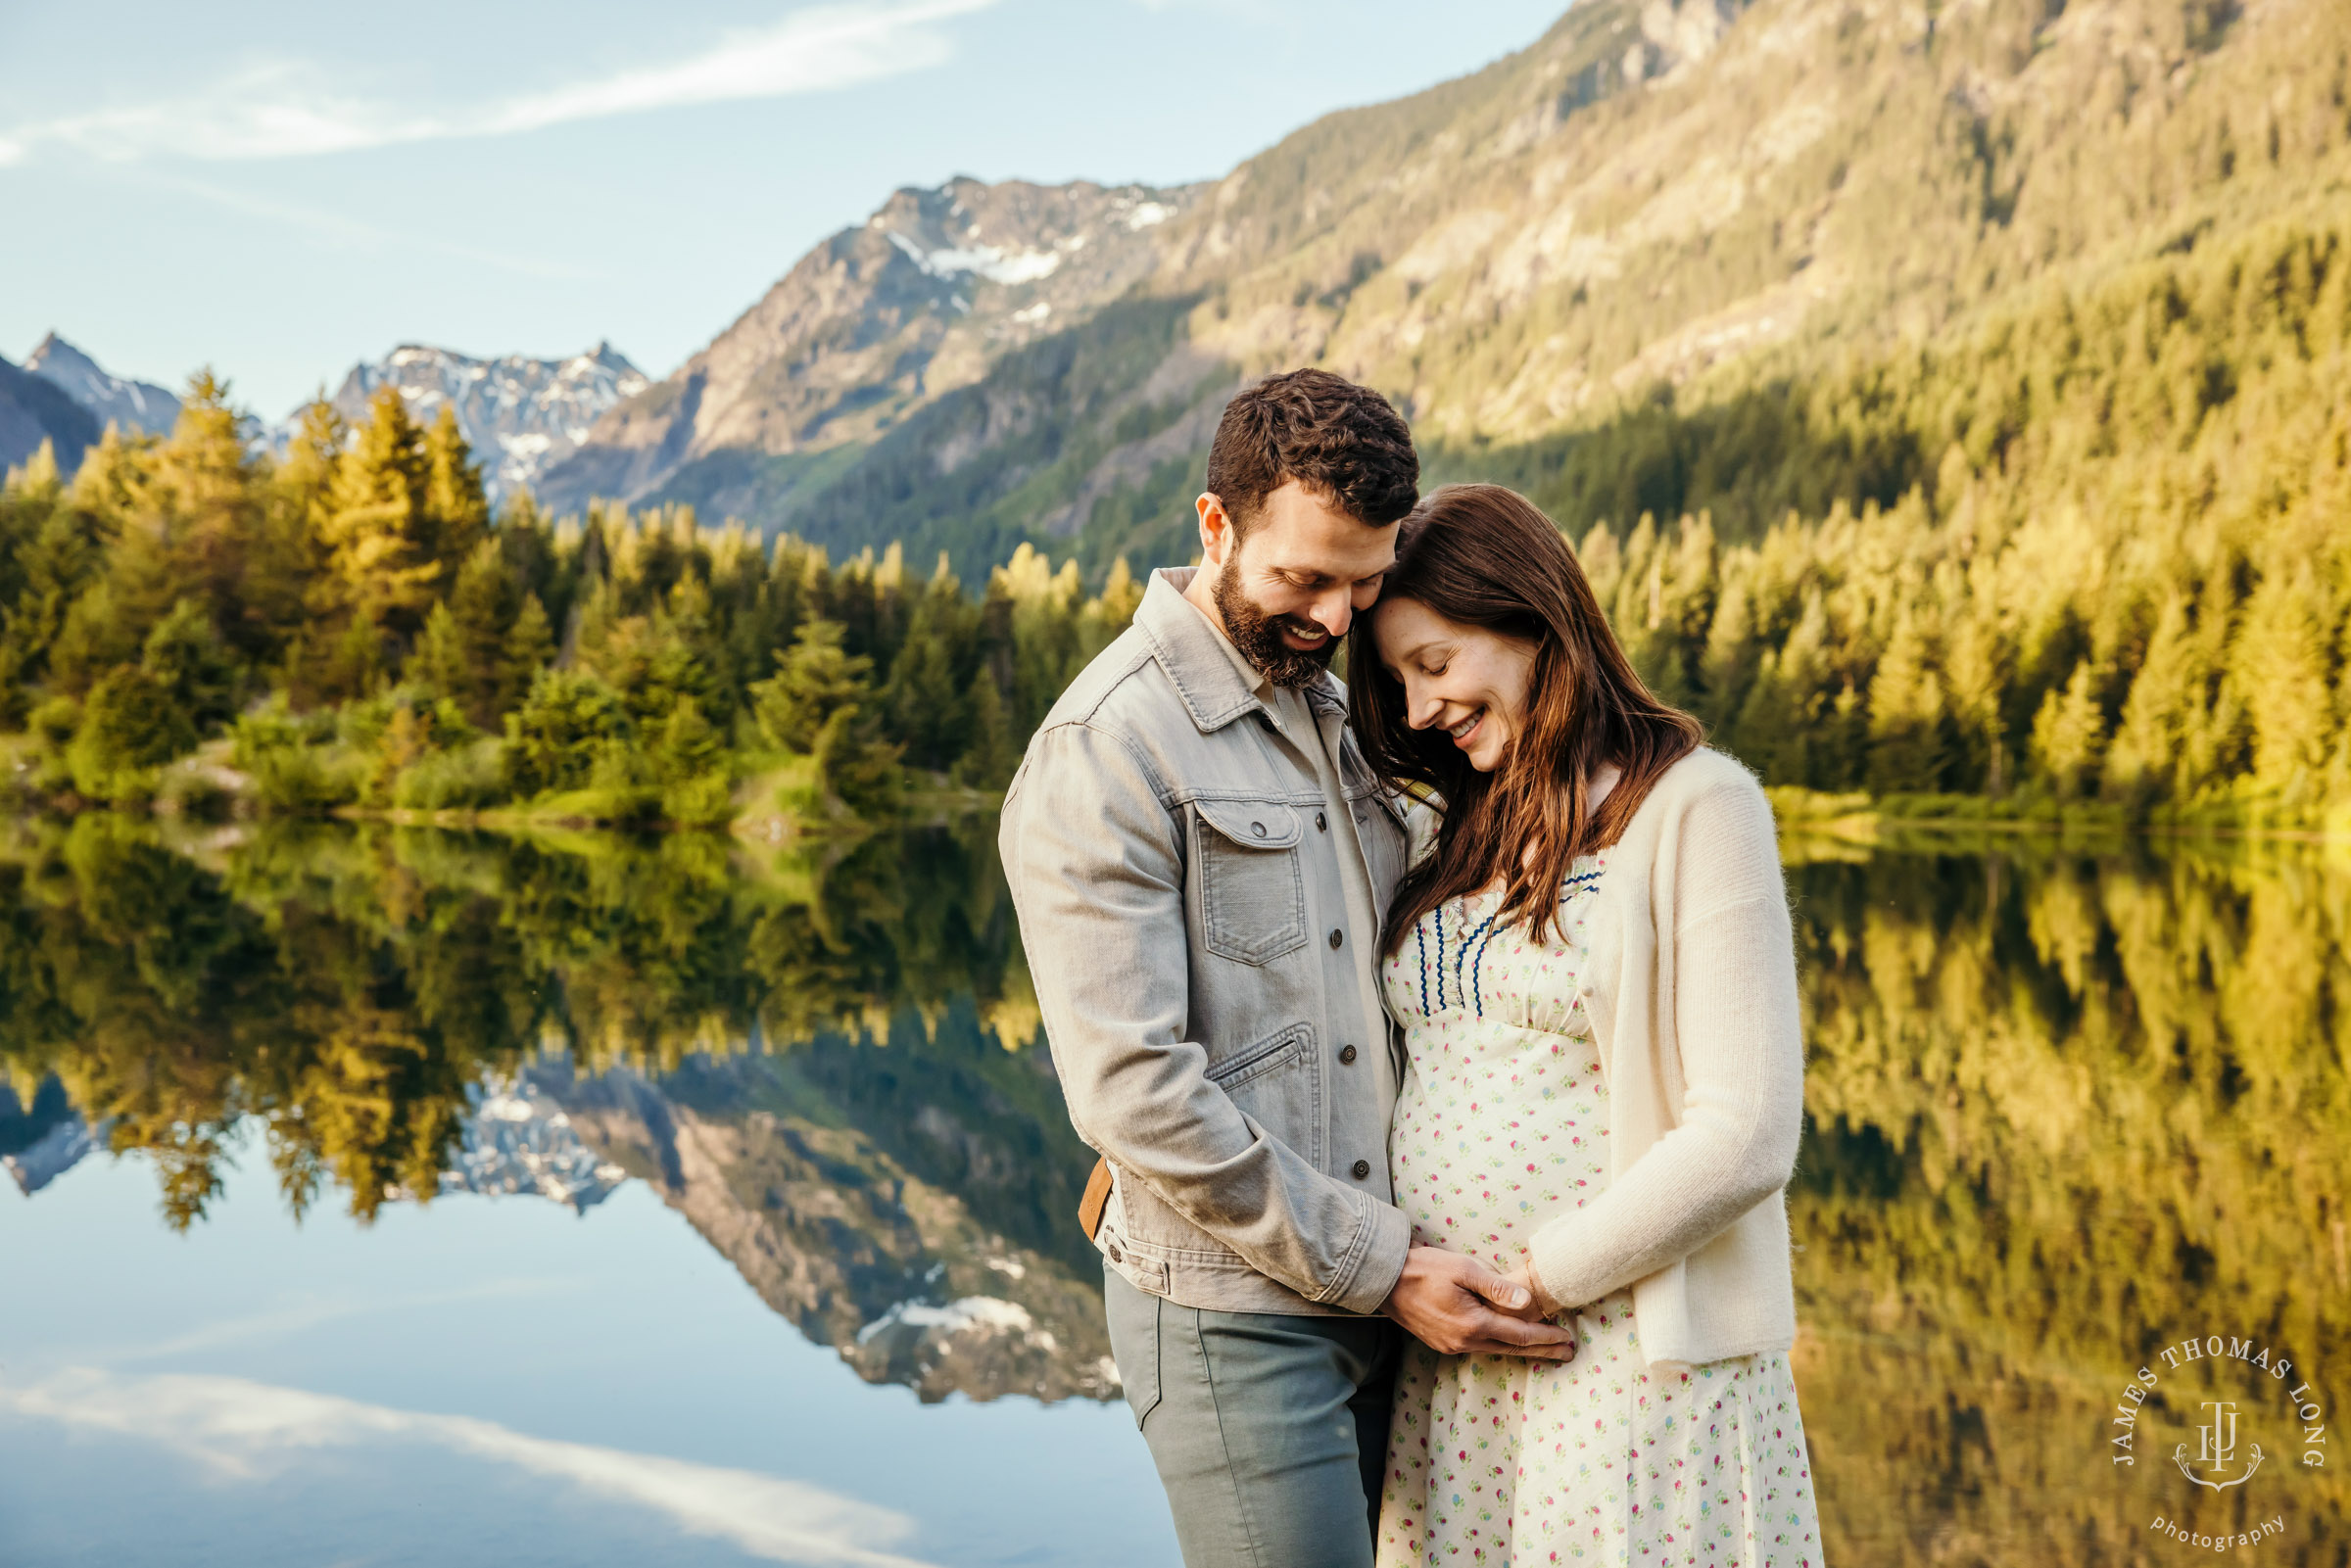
(1578,883)
(1420,945)
(1440,955)
(1485,930)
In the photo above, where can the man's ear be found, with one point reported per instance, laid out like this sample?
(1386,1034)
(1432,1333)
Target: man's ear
(1216,531)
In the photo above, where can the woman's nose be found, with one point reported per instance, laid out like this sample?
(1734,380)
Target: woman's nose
(1423,712)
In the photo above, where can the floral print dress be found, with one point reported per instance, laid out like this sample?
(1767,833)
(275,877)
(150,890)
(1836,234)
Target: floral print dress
(1502,1123)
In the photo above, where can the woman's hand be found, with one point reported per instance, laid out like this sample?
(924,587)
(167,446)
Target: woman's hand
(1542,1306)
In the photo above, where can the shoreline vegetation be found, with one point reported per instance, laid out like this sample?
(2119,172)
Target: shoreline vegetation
(2077,568)
(192,630)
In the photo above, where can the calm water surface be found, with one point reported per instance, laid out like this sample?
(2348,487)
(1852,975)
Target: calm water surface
(749,1241)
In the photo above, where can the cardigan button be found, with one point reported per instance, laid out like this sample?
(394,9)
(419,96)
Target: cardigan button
(1116,1256)
(1362,1168)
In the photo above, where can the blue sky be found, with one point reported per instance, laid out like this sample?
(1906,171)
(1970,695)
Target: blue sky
(279,189)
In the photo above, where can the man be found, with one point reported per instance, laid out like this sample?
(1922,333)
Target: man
(1201,861)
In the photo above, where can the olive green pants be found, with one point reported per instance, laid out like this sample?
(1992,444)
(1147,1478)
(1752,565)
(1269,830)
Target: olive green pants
(1270,1431)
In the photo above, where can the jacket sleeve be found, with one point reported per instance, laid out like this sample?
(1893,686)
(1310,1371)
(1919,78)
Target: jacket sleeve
(1099,879)
(1736,1024)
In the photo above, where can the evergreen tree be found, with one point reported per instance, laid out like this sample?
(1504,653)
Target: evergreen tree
(379,530)
(813,681)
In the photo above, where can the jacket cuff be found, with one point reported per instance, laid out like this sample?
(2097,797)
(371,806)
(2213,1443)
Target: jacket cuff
(1380,1263)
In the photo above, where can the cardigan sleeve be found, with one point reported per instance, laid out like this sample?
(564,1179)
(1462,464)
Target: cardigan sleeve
(1736,1022)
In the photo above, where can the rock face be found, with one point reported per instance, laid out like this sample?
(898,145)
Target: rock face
(1658,199)
(904,1237)
(520,415)
(521,1140)
(877,322)
(113,400)
(33,409)
(42,1141)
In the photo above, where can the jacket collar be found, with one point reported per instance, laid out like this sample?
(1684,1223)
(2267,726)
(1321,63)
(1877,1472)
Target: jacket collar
(1203,668)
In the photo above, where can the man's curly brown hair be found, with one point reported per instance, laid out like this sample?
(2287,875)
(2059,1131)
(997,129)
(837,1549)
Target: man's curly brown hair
(1344,441)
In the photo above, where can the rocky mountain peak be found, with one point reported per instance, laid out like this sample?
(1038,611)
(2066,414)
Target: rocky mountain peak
(114,400)
(934,288)
(519,414)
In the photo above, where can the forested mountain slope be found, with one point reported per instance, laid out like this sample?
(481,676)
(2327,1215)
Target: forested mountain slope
(1654,208)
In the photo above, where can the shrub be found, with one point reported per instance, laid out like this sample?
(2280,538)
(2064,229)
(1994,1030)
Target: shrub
(130,726)
(465,780)
(557,739)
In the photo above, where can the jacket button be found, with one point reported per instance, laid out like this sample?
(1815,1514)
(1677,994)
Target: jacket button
(1336,938)
(1322,823)
(1116,1256)
(1363,1168)
(1347,1054)
(1257,828)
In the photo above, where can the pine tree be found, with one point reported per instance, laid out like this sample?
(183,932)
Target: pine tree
(463,654)
(454,501)
(529,647)
(813,681)
(379,530)
(2069,734)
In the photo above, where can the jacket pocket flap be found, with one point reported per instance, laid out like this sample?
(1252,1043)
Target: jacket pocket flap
(1252,824)
(1257,1060)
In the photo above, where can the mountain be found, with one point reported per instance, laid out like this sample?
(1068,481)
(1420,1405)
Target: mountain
(906,1204)
(42,1141)
(877,322)
(520,415)
(34,409)
(519,1140)
(113,400)
(1659,207)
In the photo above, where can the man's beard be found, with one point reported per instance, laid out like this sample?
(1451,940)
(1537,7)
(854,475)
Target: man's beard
(1258,635)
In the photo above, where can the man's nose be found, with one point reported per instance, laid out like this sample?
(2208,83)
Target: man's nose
(1333,611)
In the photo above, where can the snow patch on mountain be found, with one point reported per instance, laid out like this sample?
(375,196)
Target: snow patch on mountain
(135,405)
(520,415)
(521,1140)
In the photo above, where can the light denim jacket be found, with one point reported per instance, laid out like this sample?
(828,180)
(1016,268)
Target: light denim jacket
(1182,908)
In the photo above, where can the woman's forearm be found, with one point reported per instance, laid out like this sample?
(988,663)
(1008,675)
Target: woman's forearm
(1737,1028)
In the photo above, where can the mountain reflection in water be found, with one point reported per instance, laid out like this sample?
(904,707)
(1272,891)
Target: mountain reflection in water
(2067,1104)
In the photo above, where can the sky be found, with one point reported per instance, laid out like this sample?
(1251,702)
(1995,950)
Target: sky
(279,190)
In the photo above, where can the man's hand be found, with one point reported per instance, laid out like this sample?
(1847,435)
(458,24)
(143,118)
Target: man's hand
(1449,1303)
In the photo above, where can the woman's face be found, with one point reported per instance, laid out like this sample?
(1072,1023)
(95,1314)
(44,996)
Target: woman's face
(1464,679)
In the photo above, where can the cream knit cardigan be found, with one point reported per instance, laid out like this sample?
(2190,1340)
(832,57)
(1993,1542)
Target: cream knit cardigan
(1691,989)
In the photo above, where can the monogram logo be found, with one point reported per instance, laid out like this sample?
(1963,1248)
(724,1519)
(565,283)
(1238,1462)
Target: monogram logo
(2245,1391)
(2215,1450)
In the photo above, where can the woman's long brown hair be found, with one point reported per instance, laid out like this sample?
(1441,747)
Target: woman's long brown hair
(1484,556)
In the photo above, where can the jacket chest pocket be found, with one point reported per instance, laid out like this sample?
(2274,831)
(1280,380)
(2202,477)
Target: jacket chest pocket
(1252,888)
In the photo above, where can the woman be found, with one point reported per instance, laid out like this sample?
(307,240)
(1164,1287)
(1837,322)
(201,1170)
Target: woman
(1596,977)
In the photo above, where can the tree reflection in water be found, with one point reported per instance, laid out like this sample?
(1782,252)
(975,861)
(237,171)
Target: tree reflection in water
(2067,1104)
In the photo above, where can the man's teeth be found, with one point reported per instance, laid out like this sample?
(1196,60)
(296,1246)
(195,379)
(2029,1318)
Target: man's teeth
(1305,636)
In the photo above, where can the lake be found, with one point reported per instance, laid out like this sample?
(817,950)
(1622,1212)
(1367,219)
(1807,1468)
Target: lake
(584,1198)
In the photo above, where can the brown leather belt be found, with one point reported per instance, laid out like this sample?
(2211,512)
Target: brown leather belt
(1097,1195)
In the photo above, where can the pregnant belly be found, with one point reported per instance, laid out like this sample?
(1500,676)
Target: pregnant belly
(1496,1136)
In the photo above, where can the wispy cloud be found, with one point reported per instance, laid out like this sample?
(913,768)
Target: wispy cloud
(246,1430)
(280,111)
(347,232)
(301,1315)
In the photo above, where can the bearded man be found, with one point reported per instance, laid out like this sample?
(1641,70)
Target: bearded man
(1201,861)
